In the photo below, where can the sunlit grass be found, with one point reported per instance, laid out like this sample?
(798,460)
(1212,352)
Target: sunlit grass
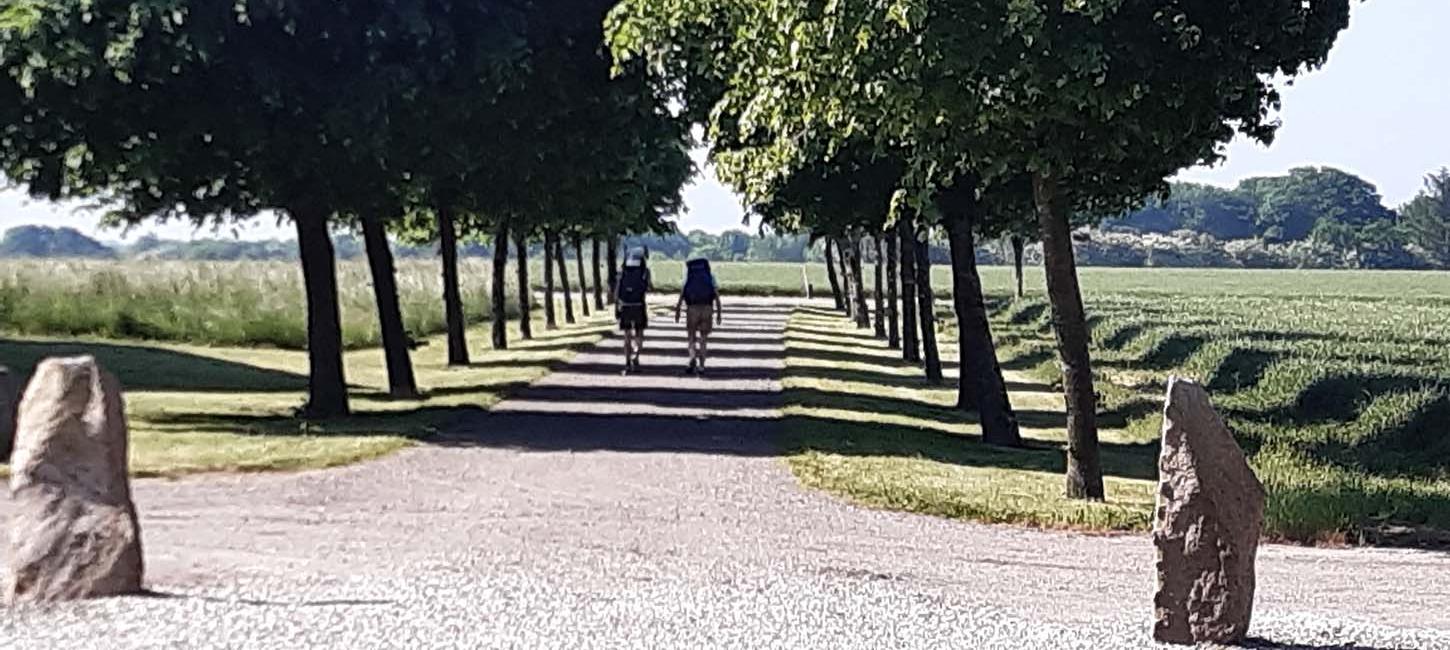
(199,409)
(886,439)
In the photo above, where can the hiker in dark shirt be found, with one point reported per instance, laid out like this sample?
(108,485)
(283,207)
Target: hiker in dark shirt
(700,299)
(630,296)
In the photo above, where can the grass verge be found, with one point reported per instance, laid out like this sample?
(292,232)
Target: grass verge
(198,409)
(863,425)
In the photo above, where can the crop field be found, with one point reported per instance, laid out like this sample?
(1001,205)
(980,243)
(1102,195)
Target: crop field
(262,303)
(214,303)
(1336,383)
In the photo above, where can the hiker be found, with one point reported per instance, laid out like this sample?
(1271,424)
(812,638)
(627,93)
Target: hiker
(629,305)
(700,298)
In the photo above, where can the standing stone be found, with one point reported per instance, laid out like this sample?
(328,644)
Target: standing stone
(1206,527)
(9,400)
(74,533)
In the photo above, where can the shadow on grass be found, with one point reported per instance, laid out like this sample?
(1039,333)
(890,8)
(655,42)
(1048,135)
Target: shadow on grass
(847,437)
(1167,353)
(1415,446)
(418,423)
(1242,368)
(144,368)
(1028,359)
(888,379)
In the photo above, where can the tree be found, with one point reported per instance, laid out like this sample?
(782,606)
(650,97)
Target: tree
(498,299)
(564,289)
(981,387)
(851,245)
(926,310)
(396,347)
(452,300)
(878,258)
(1097,101)
(583,277)
(1289,207)
(43,241)
(831,276)
(215,112)
(906,249)
(1427,218)
(598,287)
(526,313)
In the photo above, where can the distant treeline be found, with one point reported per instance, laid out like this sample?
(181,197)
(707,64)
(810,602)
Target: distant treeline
(1312,217)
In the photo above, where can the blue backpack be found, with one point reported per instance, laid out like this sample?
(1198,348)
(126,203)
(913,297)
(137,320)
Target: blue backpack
(633,283)
(699,283)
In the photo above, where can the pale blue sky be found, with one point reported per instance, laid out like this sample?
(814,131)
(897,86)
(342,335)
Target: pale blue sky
(1380,109)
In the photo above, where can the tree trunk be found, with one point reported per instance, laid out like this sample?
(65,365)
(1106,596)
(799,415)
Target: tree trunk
(526,312)
(980,386)
(926,312)
(583,278)
(880,291)
(906,240)
(1018,244)
(598,287)
(842,260)
(452,301)
(550,321)
(1084,469)
(326,386)
(893,331)
(390,316)
(858,285)
(498,296)
(831,275)
(613,267)
(564,280)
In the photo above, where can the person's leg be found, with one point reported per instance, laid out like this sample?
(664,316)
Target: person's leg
(691,335)
(704,344)
(638,344)
(628,342)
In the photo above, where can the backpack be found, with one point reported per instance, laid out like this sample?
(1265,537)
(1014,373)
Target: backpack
(633,283)
(699,283)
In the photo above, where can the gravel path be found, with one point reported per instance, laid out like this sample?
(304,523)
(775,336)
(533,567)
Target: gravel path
(649,511)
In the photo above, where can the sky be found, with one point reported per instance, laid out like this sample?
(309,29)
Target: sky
(1380,108)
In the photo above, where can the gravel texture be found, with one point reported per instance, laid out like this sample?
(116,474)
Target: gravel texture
(596,510)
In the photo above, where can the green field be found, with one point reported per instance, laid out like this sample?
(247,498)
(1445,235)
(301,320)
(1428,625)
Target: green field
(1337,383)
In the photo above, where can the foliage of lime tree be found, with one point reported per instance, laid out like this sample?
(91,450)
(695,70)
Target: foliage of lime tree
(214,112)
(1098,100)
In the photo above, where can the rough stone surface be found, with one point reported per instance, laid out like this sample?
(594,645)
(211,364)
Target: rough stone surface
(73,532)
(1209,517)
(9,396)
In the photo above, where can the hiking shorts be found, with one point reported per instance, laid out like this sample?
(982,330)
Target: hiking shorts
(633,318)
(700,319)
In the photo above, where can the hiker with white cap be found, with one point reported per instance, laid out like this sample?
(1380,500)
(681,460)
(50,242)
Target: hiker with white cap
(629,298)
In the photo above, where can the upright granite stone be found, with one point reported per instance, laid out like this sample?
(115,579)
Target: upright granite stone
(74,533)
(9,400)
(1206,527)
